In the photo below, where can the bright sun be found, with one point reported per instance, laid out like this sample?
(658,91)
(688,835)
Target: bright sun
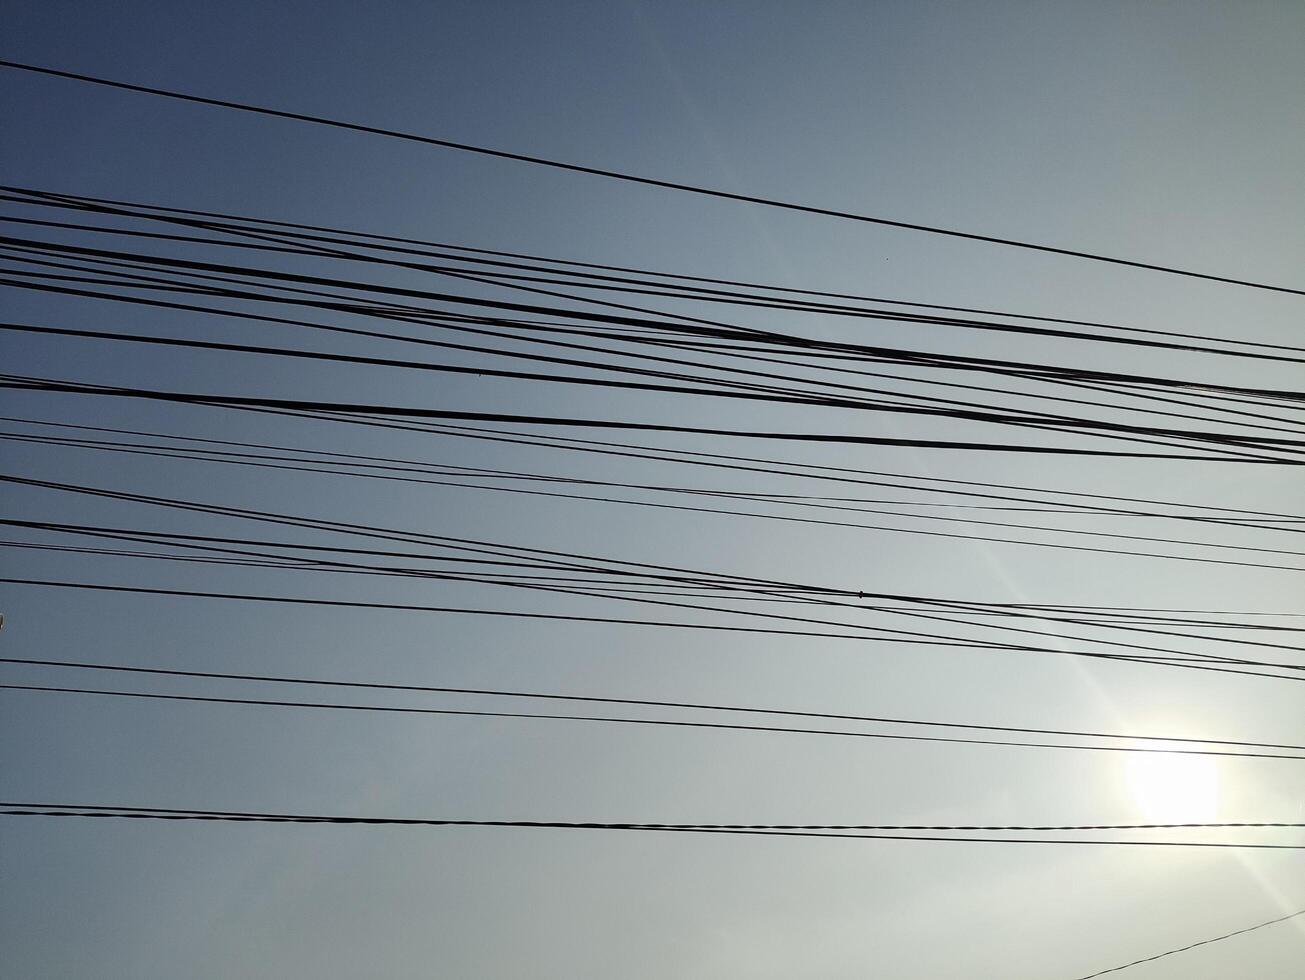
(1170,788)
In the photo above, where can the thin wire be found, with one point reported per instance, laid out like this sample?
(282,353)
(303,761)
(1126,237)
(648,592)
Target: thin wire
(762,830)
(1199,665)
(646,703)
(1203,942)
(20,382)
(1031,828)
(586,563)
(458,481)
(654,722)
(649,181)
(155,212)
(243,225)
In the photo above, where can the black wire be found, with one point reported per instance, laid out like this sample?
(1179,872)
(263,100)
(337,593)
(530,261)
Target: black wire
(43,384)
(1167,740)
(649,181)
(622,283)
(713,627)
(652,722)
(848,397)
(1203,942)
(597,588)
(394,465)
(1112,430)
(658,571)
(299,232)
(765,830)
(776,467)
(1091,615)
(304,466)
(1041,828)
(705,328)
(897,356)
(389,243)
(913,360)
(588,563)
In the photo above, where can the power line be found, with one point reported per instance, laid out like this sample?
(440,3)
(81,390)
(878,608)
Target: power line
(1203,942)
(831,597)
(668,285)
(648,319)
(1129,386)
(844,397)
(572,561)
(597,588)
(651,722)
(1030,828)
(241,225)
(1204,664)
(1091,504)
(649,181)
(1030,372)
(423,474)
(845,831)
(664,576)
(1168,741)
(397,411)
(717,388)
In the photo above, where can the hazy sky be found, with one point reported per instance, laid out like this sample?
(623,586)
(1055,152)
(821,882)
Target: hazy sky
(1166,131)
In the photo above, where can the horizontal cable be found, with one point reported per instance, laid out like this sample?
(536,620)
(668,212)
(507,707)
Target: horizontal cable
(650,722)
(1168,740)
(849,831)
(51,385)
(1213,666)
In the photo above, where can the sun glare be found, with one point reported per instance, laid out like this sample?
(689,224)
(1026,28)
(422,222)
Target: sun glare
(1170,788)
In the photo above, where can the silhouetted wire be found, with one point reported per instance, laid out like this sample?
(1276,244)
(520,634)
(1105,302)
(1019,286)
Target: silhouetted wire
(329,467)
(913,358)
(1091,615)
(400,411)
(633,178)
(232,222)
(765,830)
(590,588)
(1131,390)
(293,244)
(242,225)
(968,411)
(650,722)
(1170,744)
(830,596)
(1205,664)
(727,462)
(224,273)
(844,391)
(1203,942)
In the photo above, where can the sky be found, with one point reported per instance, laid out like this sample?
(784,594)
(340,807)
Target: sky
(1165,131)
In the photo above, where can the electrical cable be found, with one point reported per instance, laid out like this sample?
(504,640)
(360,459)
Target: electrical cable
(649,181)
(1203,942)
(766,830)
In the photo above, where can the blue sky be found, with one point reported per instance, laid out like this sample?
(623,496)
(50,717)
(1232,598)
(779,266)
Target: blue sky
(1163,131)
